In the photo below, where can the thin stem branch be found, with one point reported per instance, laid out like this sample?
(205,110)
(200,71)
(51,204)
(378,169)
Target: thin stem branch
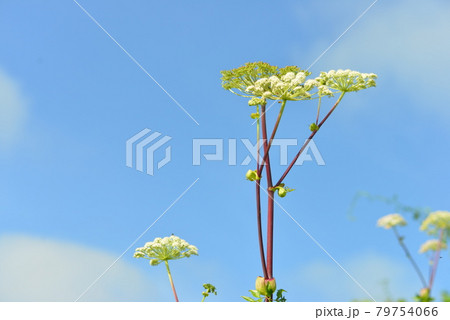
(308,140)
(171,281)
(272,136)
(437,256)
(408,255)
(318,110)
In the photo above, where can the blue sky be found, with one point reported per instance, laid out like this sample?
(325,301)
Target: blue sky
(70,98)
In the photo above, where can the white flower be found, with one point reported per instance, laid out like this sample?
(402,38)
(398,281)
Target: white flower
(267,94)
(391,220)
(262,82)
(435,221)
(274,80)
(325,91)
(288,77)
(432,245)
(347,80)
(168,248)
(311,83)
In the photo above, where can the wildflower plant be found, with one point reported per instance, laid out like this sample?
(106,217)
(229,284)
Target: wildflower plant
(437,223)
(262,83)
(165,249)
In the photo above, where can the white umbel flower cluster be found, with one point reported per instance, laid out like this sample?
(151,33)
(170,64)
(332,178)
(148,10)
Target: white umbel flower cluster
(391,220)
(432,245)
(287,87)
(164,249)
(435,221)
(294,86)
(347,80)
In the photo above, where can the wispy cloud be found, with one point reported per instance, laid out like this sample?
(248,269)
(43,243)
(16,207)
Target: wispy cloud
(38,269)
(406,43)
(384,278)
(13,110)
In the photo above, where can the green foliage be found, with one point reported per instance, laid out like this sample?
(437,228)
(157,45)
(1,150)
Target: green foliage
(210,289)
(257,297)
(280,297)
(445,296)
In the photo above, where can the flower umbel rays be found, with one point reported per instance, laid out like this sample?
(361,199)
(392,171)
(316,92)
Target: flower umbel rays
(347,80)
(164,249)
(391,220)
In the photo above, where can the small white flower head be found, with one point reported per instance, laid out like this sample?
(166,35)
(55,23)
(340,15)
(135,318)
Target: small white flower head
(164,249)
(310,84)
(263,82)
(432,245)
(437,220)
(267,94)
(288,77)
(347,80)
(274,80)
(324,90)
(391,220)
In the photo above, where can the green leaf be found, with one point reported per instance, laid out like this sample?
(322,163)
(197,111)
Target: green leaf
(280,297)
(255,293)
(248,299)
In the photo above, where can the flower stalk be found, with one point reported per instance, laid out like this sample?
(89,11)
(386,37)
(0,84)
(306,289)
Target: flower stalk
(171,281)
(409,256)
(435,261)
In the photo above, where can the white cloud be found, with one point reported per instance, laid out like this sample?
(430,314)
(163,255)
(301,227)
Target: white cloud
(406,42)
(37,269)
(380,276)
(12,110)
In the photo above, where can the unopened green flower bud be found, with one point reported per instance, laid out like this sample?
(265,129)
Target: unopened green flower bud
(266,287)
(424,293)
(252,175)
(282,192)
(254,115)
(313,127)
